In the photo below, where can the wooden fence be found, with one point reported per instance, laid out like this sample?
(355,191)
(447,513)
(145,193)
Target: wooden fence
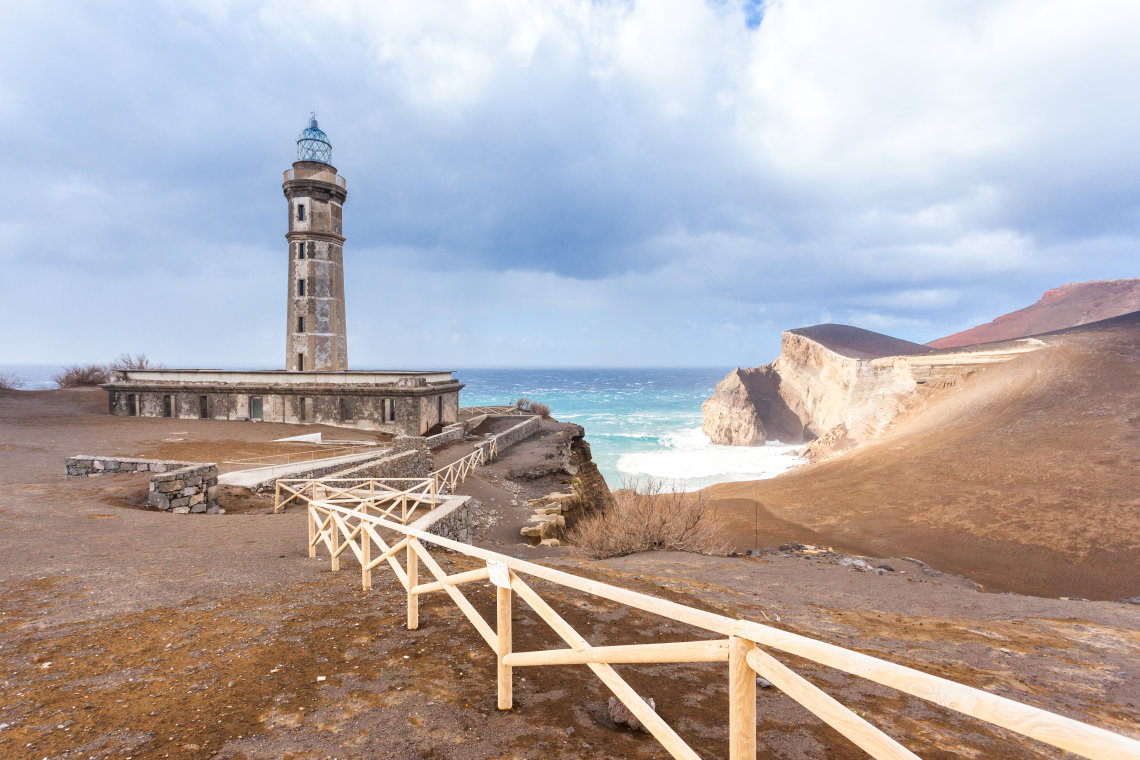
(375,535)
(350,491)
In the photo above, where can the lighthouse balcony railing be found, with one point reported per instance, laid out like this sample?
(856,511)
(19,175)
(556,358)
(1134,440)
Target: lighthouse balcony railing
(340,181)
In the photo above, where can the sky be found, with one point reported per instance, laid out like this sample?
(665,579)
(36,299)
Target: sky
(559,183)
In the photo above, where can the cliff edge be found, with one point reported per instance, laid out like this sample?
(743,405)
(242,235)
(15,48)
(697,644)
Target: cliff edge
(839,384)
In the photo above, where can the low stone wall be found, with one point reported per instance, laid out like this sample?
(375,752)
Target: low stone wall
(179,487)
(450,434)
(415,463)
(511,436)
(454,518)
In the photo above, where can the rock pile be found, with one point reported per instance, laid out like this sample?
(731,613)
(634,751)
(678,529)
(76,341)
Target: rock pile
(549,518)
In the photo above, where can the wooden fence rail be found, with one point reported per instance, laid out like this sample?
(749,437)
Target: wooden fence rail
(363,491)
(743,645)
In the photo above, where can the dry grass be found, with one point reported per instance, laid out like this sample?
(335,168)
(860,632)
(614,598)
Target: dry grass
(81,374)
(133,361)
(534,407)
(10,381)
(651,519)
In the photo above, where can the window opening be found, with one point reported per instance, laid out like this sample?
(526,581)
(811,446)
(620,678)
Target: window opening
(300,287)
(300,362)
(301,251)
(132,405)
(346,410)
(255,408)
(167,406)
(203,407)
(300,212)
(300,324)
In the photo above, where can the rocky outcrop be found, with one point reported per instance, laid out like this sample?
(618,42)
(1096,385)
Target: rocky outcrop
(840,384)
(748,410)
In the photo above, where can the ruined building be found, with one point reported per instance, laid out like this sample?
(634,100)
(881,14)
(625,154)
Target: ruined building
(316,385)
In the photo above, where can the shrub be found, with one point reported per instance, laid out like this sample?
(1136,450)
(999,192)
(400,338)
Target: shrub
(81,374)
(533,407)
(651,519)
(10,381)
(133,361)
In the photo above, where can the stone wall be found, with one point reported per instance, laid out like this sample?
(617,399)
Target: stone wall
(415,463)
(453,518)
(511,436)
(450,434)
(179,487)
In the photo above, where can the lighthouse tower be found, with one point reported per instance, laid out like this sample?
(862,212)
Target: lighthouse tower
(315,335)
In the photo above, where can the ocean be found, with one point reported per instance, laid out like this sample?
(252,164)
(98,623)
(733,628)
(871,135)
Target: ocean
(640,423)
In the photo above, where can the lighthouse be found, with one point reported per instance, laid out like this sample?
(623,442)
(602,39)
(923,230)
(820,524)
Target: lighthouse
(315,330)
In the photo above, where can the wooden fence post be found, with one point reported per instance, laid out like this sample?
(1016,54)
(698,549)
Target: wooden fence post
(503,626)
(365,558)
(413,571)
(741,701)
(312,531)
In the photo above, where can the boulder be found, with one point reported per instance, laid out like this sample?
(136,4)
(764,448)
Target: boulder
(621,715)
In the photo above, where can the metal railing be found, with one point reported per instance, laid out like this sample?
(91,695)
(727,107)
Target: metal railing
(375,535)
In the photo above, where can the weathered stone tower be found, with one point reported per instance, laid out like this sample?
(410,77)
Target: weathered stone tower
(315,334)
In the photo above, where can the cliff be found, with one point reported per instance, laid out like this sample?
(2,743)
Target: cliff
(1078,303)
(837,383)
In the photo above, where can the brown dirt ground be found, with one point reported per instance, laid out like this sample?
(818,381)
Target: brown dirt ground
(1024,477)
(133,633)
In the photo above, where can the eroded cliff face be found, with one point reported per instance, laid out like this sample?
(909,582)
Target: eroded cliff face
(838,395)
(748,409)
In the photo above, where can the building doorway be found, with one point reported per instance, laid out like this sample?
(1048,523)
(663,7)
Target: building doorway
(203,407)
(255,408)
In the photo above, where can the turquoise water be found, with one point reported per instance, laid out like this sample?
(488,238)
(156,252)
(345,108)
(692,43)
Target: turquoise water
(640,423)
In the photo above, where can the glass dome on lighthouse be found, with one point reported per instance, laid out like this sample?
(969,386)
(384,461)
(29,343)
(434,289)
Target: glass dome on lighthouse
(313,144)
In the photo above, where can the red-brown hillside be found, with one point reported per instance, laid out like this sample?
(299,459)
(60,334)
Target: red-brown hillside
(1078,303)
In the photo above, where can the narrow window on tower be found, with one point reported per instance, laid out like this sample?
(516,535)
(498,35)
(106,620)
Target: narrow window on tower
(300,362)
(300,212)
(300,324)
(301,251)
(300,287)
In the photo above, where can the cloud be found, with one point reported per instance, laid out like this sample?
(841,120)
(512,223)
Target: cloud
(604,182)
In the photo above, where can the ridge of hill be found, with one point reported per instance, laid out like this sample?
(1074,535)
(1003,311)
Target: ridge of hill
(857,343)
(1071,305)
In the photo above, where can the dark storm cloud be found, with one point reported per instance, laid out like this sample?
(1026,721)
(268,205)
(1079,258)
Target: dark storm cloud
(580,183)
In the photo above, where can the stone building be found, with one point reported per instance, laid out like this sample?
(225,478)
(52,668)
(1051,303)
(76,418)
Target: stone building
(396,402)
(316,385)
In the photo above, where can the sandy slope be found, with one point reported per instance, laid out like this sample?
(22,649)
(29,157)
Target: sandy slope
(1024,477)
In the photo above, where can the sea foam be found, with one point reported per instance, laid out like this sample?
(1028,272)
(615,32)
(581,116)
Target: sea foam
(689,460)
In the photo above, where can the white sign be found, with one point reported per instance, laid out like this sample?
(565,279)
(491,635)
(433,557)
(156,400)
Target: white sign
(499,573)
